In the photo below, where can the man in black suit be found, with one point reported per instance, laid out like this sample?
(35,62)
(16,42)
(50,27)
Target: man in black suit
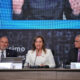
(38,9)
(74,54)
(4,52)
(72,9)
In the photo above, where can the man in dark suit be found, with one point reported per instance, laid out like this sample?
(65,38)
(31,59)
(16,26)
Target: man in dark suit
(4,52)
(72,9)
(74,54)
(38,9)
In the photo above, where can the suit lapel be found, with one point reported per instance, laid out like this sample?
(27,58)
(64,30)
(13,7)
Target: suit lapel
(7,53)
(76,54)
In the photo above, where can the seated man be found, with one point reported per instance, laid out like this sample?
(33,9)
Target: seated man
(74,54)
(4,52)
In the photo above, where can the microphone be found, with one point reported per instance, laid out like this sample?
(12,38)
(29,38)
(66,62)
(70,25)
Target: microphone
(36,57)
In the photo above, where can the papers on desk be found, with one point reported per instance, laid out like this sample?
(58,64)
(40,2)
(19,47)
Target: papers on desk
(75,65)
(17,65)
(8,65)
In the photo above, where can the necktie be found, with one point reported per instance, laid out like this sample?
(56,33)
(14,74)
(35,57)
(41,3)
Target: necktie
(78,55)
(2,56)
(75,5)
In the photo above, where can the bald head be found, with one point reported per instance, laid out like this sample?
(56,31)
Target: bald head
(77,42)
(3,43)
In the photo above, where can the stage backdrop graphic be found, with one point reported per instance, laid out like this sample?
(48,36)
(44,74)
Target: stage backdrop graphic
(6,21)
(59,41)
(59,34)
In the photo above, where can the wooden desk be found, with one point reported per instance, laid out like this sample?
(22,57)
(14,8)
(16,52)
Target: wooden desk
(40,74)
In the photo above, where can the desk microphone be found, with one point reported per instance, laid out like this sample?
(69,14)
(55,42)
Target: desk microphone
(36,57)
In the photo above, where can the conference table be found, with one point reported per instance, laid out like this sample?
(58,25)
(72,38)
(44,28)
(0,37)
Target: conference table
(40,74)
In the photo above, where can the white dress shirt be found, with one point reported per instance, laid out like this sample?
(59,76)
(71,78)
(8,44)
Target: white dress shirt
(4,53)
(45,58)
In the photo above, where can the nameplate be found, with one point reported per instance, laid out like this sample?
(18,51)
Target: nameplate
(75,65)
(8,65)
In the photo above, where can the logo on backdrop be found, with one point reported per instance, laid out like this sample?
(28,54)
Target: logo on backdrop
(18,49)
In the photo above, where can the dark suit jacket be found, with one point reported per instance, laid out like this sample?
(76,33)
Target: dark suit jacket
(41,10)
(68,11)
(11,53)
(73,55)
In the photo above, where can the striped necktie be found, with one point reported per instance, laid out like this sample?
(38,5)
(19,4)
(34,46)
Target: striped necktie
(79,55)
(2,55)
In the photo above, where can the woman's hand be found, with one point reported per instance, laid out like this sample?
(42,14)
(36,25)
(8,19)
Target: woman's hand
(17,6)
(42,65)
(75,5)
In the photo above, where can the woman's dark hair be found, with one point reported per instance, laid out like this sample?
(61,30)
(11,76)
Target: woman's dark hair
(33,45)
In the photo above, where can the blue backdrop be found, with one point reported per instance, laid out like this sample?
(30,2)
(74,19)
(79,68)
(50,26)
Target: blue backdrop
(6,21)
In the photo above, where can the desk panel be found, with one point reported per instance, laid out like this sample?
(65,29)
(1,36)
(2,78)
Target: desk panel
(40,74)
(68,75)
(32,75)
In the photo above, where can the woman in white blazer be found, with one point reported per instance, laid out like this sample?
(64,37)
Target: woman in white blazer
(39,55)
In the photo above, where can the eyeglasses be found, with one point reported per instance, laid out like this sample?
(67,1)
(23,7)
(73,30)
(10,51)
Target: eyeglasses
(76,41)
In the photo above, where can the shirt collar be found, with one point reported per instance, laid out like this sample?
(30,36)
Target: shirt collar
(3,51)
(78,50)
(43,53)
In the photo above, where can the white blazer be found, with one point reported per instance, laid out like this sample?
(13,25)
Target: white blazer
(45,58)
